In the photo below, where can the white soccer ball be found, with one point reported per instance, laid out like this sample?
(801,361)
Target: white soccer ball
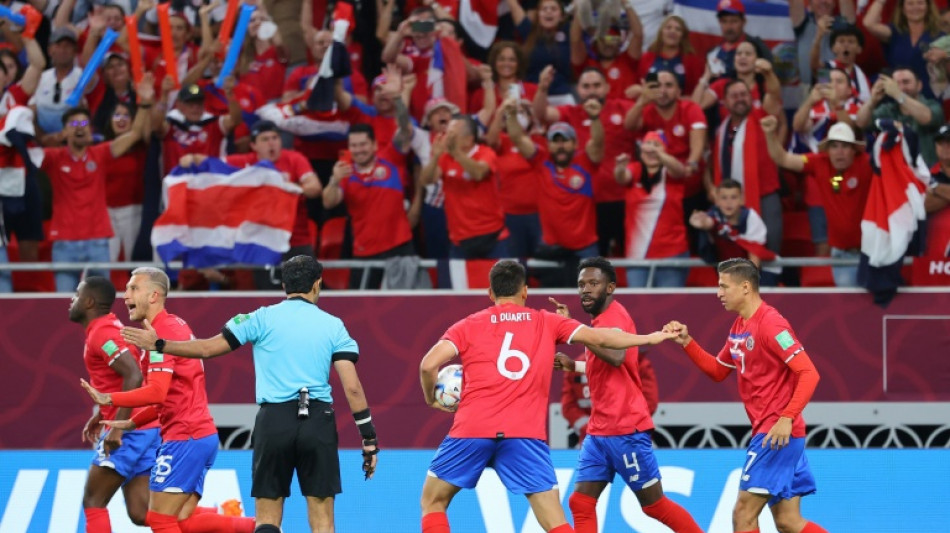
(448,388)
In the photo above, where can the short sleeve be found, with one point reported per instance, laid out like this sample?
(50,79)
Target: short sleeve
(780,339)
(564,328)
(102,152)
(238,160)
(564,112)
(51,157)
(488,156)
(456,334)
(695,117)
(108,344)
(246,328)
(300,166)
(635,169)
(294,80)
(343,343)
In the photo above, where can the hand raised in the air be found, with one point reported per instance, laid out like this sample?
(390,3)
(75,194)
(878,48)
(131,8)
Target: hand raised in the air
(143,338)
(561,308)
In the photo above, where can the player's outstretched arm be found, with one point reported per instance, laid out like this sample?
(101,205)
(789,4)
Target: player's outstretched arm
(438,355)
(617,340)
(700,357)
(356,398)
(193,349)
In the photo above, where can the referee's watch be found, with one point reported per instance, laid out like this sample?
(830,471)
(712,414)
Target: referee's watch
(160,345)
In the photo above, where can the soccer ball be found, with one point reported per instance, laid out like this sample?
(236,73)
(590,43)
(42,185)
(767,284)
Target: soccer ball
(448,388)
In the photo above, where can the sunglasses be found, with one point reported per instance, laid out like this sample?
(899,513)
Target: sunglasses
(57,93)
(78,123)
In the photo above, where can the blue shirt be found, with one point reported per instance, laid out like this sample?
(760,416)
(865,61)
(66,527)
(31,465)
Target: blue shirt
(294,344)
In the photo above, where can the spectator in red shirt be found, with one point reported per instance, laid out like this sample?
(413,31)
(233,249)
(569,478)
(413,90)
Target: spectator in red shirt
(671,50)
(842,175)
(755,71)
(125,183)
(937,201)
(656,228)
(372,189)
(565,182)
(411,46)
(604,54)
(80,228)
(264,61)
(830,101)
(507,62)
(476,222)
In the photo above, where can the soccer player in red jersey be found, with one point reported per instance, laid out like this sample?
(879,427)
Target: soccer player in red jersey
(618,432)
(776,379)
(507,354)
(122,459)
(175,393)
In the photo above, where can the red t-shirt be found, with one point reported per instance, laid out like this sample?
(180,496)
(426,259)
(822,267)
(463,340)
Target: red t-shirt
(688,66)
(566,203)
(654,218)
(759,349)
(79,193)
(293,166)
(125,181)
(618,140)
(184,414)
(507,354)
(620,73)
(687,116)
(205,138)
(472,207)
(264,73)
(719,87)
(103,345)
(517,184)
(421,93)
(845,208)
(617,403)
(375,202)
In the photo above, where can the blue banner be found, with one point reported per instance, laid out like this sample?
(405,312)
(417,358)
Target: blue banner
(858,490)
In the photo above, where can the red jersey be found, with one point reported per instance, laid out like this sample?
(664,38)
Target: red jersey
(375,201)
(566,203)
(103,346)
(421,93)
(759,349)
(13,96)
(938,222)
(125,181)
(79,193)
(184,414)
(293,166)
(844,208)
(618,140)
(517,184)
(687,116)
(471,207)
(507,354)
(618,406)
(264,70)
(654,215)
(205,138)
(688,67)
(719,88)
(621,73)
(477,101)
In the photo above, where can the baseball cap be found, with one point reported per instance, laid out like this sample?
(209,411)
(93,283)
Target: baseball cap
(730,7)
(262,126)
(121,55)
(840,132)
(191,93)
(943,134)
(656,136)
(437,103)
(563,129)
(59,34)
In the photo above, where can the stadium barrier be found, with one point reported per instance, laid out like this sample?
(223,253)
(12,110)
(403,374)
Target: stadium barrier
(41,491)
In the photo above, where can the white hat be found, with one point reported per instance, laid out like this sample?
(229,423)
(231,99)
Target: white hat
(840,132)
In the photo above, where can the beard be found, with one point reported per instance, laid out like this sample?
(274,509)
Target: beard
(595,306)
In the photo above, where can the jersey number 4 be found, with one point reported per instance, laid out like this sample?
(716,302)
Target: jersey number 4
(507,353)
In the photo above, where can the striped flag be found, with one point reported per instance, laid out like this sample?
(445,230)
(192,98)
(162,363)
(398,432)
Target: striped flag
(480,19)
(893,214)
(767,20)
(17,150)
(464,273)
(220,215)
(447,76)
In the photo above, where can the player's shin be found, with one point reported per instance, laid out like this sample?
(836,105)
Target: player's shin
(675,517)
(435,523)
(215,523)
(162,523)
(97,520)
(812,527)
(584,509)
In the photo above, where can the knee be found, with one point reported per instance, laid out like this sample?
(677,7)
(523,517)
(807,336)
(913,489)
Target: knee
(433,503)
(137,516)
(788,523)
(744,516)
(90,500)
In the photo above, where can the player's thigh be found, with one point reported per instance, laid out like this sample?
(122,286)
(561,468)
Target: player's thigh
(316,452)
(274,442)
(320,513)
(632,457)
(168,503)
(437,495)
(547,508)
(593,463)
(136,498)
(524,466)
(460,462)
(748,507)
(101,484)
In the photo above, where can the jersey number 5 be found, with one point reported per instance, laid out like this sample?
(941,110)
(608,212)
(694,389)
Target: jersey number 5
(507,353)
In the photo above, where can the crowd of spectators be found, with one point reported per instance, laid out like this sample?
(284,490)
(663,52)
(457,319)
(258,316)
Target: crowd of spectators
(574,137)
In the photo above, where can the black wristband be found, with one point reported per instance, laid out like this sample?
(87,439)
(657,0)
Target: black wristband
(364,422)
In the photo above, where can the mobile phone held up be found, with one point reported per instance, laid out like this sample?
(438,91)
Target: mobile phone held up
(346,157)
(422,26)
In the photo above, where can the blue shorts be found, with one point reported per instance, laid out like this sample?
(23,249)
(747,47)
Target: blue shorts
(784,473)
(523,465)
(135,457)
(631,456)
(181,465)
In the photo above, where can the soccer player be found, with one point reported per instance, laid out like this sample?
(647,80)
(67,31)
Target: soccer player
(618,432)
(122,459)
(507,354)
(176,389)
(776,379)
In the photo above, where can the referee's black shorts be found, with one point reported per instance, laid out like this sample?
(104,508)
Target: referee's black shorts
(283,443)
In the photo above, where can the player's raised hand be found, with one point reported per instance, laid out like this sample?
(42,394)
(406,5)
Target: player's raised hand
(98,397)
(124,425)
(92,429)
(561,309)
(143,338)
(546,77)
(769,124)
(563,362)
(777,437)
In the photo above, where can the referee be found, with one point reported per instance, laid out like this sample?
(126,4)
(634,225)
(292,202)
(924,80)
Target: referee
(295,343)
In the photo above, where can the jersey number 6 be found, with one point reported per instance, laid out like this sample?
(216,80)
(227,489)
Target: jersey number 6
(507,353)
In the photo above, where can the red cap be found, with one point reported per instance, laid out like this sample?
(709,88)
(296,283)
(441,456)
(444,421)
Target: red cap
(730,7)
(657,136)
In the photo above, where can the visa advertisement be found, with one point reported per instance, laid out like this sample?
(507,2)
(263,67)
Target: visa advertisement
(887,490)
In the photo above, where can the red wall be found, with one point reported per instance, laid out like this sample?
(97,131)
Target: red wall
(42,405)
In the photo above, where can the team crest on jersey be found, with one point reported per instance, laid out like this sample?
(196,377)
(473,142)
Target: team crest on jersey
(379,173)
(576,182)
(749,343)
(852,182)
(91,166)
(679,130)
(614,73)
(616,119)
